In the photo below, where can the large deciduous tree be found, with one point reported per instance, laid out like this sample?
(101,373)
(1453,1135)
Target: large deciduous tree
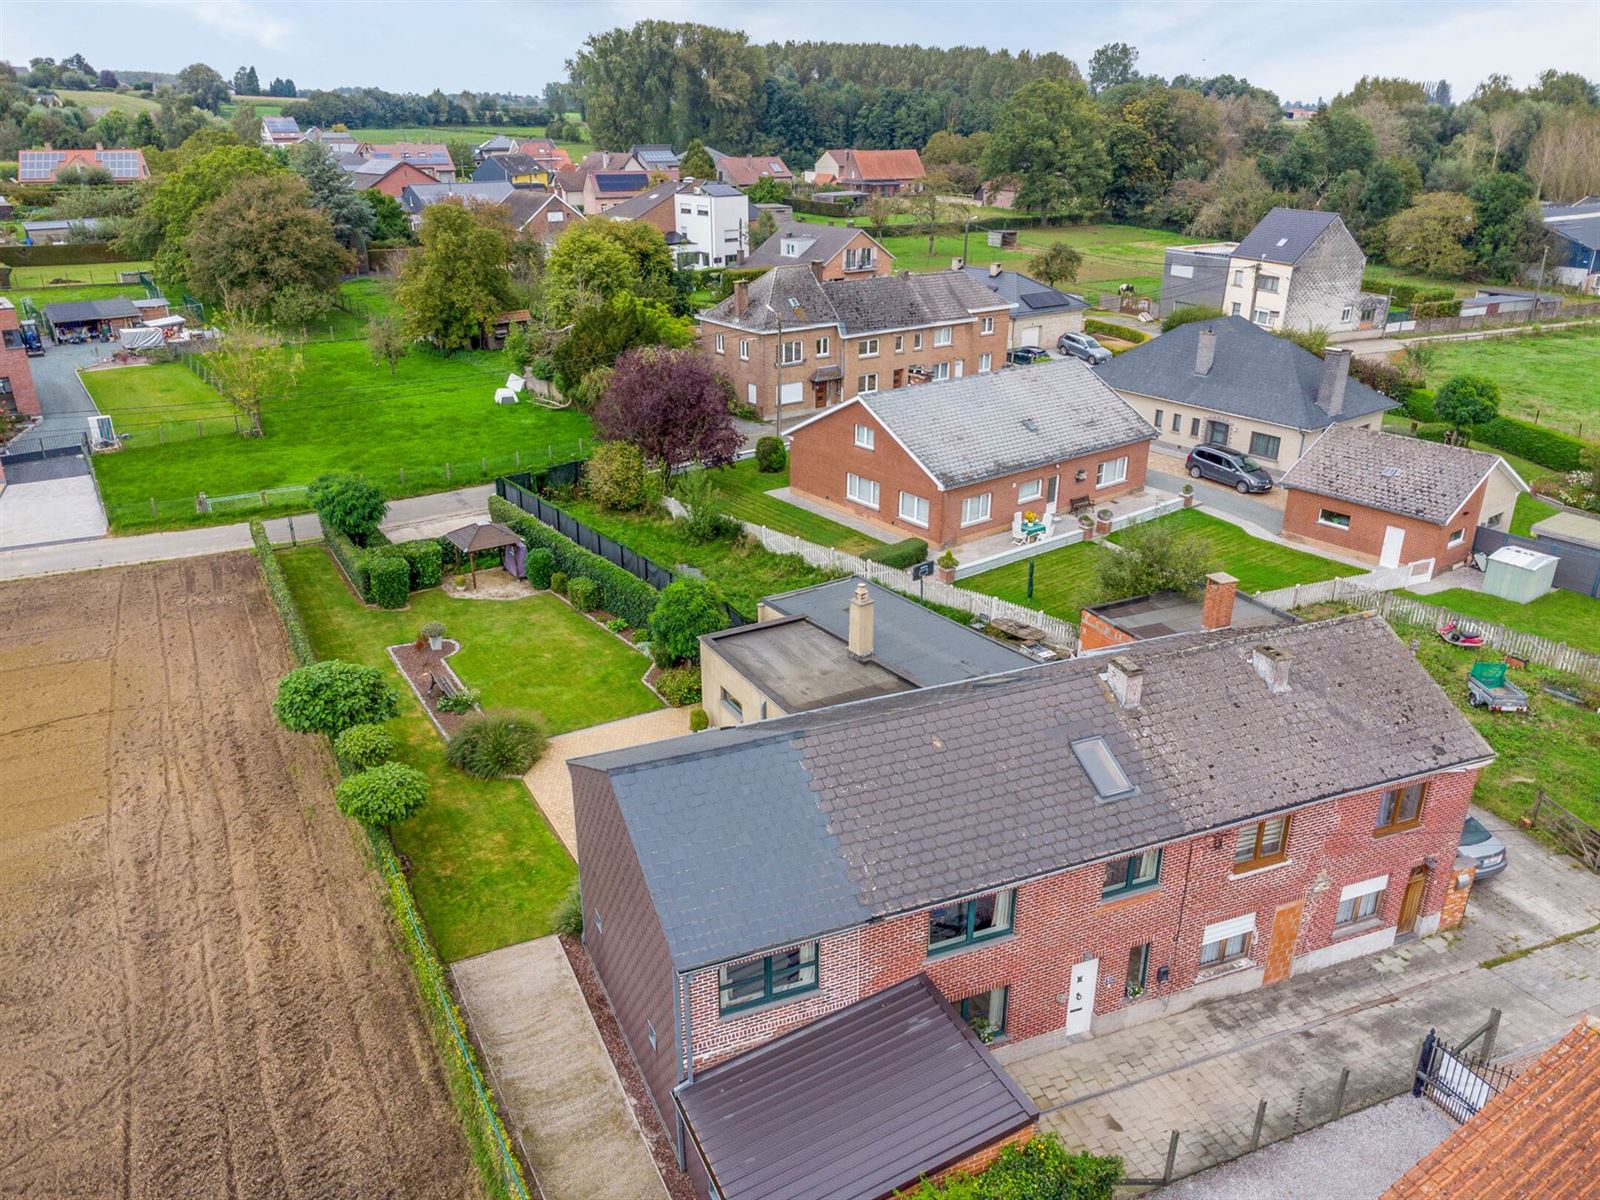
(596,260)
(671,405)
(259,240)
(1056,264)
(1431,236)
(457,282)
(602,330)
(204,86)
(1048,138)
(1112,64)
(1509,229)
(1467,400)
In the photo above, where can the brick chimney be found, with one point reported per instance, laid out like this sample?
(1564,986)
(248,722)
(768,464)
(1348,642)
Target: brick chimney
(1125,678)
(1335,374)
(741,298)
(861,622)
(816,268)
(1205,351)
(1216,612)
(994,270)
(1272,664)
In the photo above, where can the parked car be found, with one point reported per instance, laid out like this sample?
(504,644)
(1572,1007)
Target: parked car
(1483,848)
(1237,470)
(1023,355)
(1082,345)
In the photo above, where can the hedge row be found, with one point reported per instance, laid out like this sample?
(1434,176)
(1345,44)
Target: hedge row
(63,255)
(388,579)
(1532,442)
(621,593)
(904,554)
(423,563)
(1107,329)
(352,558)
(278,589)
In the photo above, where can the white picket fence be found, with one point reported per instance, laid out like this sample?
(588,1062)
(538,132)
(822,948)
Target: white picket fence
(1397,606)
(1059,633)
(1379,579)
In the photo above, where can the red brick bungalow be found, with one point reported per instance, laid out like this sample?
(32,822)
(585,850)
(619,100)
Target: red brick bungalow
(1053,848)
(17,395)
(1388,499)
(954,461)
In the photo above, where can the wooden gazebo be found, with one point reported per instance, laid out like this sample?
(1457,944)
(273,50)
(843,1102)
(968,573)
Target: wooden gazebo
(482,535)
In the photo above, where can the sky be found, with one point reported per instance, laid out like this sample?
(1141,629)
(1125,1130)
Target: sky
(1301,49)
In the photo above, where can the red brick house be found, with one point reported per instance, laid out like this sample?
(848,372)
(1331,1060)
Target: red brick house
(965,459)
(876,172)
(16,373)
(391,176)
(795,337)
(47,165)
(746,170)
(1054,848)
(1387,499)
(542,215)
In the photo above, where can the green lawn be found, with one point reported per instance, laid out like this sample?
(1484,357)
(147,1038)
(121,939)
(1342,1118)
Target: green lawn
(1548,378)
(744,489)
(73,275)
(1065,582)
(486,868)
(1529,512)
(473,133)
(1561,616)
(743,571)
(1380,273)
(347,414)
(132,103)
(42,296)
(157,403)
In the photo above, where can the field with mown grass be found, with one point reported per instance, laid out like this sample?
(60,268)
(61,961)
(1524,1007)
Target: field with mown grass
(486,868)
(746,495)
(347,414)
(1551,379)
(472,133)
(1529,512)
(156,403)
(1065,580)
(132,103)
(72,275)
(41,296)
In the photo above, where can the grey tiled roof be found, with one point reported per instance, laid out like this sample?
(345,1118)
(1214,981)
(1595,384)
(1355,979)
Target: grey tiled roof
(1404,475)
(828,241)
(789,294)
(857,306)
(635,207)
(1284,235)
(414,197)
(768,834)
(968,430)
(909,639)
(1255,374)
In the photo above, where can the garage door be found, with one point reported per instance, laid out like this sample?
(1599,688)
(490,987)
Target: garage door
(1031,335)
(793,393)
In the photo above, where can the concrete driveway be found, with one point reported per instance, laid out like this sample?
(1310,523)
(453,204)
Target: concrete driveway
(64,405)
(560,1092)
(1265,511)
(1202,1071)
(54,500)
(552,786)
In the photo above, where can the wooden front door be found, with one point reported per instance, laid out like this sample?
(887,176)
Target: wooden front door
(1412,904)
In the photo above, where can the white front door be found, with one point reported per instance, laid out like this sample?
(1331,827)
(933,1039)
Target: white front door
(1393,539)
(960,365)
(1080,995)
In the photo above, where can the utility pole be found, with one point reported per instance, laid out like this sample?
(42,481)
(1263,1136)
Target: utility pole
(1533,317)
(777,400)
(966,232)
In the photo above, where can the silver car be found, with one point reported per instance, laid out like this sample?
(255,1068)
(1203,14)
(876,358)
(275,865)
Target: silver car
(1483,848)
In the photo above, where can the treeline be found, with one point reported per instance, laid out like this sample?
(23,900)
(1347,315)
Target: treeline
(374,108)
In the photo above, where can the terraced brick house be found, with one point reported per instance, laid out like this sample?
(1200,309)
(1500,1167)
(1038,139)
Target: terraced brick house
(794,339)
(1057,851)
(17,394)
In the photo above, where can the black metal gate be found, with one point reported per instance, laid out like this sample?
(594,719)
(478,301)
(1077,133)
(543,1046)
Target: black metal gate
(1454,1078)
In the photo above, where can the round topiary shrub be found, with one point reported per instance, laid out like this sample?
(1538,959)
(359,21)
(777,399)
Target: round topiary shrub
(698,720)
(330,696)
(540,565)
(584,593)
(687,608)
(383,795)
(615,477)
(558,582)
(497,745)
(771,457)
(362,747)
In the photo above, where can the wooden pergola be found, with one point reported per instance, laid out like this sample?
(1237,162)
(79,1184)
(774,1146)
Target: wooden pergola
(482,535)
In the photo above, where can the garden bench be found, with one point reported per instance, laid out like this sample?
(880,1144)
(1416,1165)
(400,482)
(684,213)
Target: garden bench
(441,685)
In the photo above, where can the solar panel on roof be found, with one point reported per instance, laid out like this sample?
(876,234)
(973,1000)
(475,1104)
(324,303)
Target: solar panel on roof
(1044,299)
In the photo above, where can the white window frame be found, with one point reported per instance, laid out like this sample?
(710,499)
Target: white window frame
(824,347)
(1262,317)
(986,326)
(720,349)
(858,487)
(1103,477)
(1324,513)
(744,349)
(979,506)
(909,512)
(867,384)
(866,437)
(985,363)
(1346,313)
(1268,284)
(1029,491)
(867,348)
(1238,277)
(899,343)
(1237,309)
(799,348)
(941,371)
(1457,536)
(944,336)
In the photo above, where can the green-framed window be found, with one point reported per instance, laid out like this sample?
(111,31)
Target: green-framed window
(775,977)
(951,926)
(986,1012)
(1136,873)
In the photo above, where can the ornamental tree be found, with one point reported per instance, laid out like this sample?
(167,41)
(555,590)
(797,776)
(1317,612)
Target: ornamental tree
(331,696)
(349,504)
(1467,400)
(385,794)
(687,608)
(670,404)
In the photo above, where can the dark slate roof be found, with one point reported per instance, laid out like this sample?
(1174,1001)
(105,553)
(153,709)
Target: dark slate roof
(1255,374)
(70,311)
(1284,235)
(414,197)
(635,207)
(854,1106)
(1021,292)
(983,426)
(826,242)
(1405,475)
(857,306)
(654,154)
(908,638)
(777,832)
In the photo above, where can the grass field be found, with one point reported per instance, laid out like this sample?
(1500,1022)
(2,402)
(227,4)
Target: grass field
(486,868)
(41,296)
(347,414)
(1380,273)
(129,102)
(1065,579)
(72,275)
(744,491)
(266,106)
(471,133)
(1551,379)
(1529,512)
(156,403)
(1561,616)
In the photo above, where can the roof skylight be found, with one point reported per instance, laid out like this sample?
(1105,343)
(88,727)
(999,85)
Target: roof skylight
(1110,781)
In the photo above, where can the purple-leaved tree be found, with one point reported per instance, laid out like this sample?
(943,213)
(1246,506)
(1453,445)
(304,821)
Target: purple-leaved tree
(670,405)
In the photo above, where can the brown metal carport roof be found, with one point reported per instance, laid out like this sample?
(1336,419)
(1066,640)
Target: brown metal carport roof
(867,1100)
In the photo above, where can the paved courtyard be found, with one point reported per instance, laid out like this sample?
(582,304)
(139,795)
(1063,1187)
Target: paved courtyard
(57,503)
(1204,1070)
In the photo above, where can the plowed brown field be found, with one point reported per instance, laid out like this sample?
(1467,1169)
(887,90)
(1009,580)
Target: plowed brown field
(199,995)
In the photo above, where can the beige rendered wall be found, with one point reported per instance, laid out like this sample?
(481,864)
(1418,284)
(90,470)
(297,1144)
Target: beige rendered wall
(1294,442)
(718,675)
(1241,293)
(1500,497)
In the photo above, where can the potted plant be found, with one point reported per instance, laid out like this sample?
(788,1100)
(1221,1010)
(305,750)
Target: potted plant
(1087,524)
(434,632)
(1188,495)
(945,567)
(1102,522)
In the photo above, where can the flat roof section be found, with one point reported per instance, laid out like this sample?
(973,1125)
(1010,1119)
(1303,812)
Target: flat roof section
(1161,613)
(802,666)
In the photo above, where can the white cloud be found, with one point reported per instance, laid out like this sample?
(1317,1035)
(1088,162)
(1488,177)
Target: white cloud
(239,20)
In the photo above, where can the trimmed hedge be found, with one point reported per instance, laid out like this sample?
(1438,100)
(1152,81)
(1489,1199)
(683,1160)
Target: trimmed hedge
(584,593)
(425,560)
(621,593)
(389,578)
(1429,309)
(352,558)
(294,627)
(1532,442)
(1110,330)
(65,254)
(903,554)
(541,564)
